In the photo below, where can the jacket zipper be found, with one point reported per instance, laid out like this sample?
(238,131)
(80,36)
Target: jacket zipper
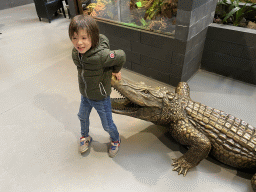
(102,90)
(82,74)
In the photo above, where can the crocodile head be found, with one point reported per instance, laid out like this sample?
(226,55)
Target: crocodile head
(139,100)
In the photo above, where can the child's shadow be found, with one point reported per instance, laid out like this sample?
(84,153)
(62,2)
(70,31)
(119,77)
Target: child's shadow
(59,108)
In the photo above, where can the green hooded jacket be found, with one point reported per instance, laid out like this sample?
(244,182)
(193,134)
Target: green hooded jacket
(95,69)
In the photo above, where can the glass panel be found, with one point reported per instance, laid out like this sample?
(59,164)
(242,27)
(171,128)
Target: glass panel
(154,15)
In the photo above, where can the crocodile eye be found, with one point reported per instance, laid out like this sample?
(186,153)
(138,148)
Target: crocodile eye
(145,91)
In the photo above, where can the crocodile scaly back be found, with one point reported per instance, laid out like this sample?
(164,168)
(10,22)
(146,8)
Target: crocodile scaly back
(233,140)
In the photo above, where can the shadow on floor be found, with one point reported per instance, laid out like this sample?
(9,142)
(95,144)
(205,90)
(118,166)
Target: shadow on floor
(59,108)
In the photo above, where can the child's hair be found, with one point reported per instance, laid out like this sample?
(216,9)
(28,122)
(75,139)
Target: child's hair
(85,22)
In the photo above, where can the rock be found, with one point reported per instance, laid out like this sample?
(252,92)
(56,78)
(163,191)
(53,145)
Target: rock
(218,20)
(243,23)
(251,25)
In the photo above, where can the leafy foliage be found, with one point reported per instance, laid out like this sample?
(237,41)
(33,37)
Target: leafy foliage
(235,12)
(165,8)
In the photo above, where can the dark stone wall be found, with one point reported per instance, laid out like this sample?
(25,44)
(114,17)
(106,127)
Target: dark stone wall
(193,19)
(5,4)
(147,53)
(231,51)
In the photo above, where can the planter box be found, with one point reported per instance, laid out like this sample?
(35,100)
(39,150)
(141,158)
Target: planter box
(230,51)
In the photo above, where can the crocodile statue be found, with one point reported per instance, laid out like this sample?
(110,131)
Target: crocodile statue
(203,129)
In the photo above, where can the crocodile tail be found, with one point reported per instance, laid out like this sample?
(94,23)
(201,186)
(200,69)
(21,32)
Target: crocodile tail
(253,182)
(183,89)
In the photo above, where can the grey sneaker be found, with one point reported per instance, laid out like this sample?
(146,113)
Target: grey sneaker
(114,147)
(84,144)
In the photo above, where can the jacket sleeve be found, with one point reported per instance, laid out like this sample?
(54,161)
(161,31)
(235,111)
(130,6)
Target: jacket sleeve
(75,58)
(104,42)
(115,59)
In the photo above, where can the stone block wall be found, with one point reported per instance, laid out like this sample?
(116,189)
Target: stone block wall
(193,19)
(231,51)
(147,53)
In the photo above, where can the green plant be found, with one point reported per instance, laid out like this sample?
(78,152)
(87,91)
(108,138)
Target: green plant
(235,12)
(154,9)
(143,22)
(166,8)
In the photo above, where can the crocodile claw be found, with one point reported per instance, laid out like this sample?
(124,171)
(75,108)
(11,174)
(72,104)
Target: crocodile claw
(181,166)
(176,168)
(181,169)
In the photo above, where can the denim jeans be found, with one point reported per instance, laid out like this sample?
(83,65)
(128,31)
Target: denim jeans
(103,107)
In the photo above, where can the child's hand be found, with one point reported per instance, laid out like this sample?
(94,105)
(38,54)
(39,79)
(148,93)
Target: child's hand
(118,75)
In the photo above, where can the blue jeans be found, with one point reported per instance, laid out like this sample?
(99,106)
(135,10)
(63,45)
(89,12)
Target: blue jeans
(103,107)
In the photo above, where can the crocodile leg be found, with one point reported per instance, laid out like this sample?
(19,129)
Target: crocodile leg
(199,145)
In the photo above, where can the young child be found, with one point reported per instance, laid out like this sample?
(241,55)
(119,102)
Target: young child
(95,64)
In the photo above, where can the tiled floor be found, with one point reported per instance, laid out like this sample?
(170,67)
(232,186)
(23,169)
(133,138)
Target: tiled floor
(39,100)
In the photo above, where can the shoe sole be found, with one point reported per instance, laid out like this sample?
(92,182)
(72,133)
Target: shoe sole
(84,150)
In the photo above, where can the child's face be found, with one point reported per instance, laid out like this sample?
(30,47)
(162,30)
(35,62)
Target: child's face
(81,41)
